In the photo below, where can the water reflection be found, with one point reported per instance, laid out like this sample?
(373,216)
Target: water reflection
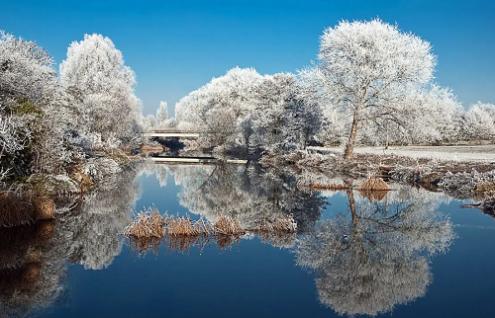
(248,195)
(368,258)
(34,254)
(375,256)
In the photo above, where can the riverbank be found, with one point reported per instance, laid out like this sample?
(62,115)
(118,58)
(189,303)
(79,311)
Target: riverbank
(461,179)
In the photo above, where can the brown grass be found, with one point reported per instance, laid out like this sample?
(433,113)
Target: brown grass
(225,225)
(147,225)
(185,227)
(374,189)
(182,233)
(374,184)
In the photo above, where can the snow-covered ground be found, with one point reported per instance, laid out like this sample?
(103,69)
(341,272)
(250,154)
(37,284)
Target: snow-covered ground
(484,153)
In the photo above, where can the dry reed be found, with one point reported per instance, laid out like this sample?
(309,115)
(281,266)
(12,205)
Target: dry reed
(182,233)
(374,189)
(226,225)
(374,184)
(147,225)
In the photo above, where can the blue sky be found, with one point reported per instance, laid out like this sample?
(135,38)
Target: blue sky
(176,46)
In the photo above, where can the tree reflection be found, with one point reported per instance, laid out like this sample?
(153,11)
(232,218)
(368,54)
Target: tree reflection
(246,194)
(377,256)
(34,254)
(94,227)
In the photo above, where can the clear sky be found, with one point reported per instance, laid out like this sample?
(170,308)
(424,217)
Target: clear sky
(176,46)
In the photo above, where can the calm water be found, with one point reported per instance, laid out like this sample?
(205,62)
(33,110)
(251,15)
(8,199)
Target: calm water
(410,253)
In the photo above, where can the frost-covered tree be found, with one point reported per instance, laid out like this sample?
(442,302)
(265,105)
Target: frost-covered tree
(285,114)
(423,116)
(31,108)
(160,120)
(335,118)
(102,88)
(369,66)
(479,122)
(268,118)
(219,108)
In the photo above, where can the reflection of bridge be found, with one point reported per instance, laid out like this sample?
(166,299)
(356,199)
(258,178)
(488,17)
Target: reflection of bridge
(172,133)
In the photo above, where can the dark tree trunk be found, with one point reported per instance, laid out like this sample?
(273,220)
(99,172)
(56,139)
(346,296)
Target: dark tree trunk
(349,147)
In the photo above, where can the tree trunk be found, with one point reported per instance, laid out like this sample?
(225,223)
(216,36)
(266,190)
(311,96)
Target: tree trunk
(349,147)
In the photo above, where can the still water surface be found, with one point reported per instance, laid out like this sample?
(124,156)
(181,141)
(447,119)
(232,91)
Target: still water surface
(410,253)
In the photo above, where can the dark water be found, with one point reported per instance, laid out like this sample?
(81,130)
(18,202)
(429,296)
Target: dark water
(411,253)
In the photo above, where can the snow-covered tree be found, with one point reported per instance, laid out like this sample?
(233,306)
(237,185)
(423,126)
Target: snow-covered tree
(31,108)
(102,86)
(423,116)
(220,107)
(336,118)
(479,122)
(285,114)
(162,113)
(368,66)
(244,108)
(160,120)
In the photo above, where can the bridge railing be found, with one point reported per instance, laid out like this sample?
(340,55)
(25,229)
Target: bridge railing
(169,133)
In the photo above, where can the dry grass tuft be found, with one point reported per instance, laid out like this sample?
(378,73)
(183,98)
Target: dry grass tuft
(147,225)
(180,227)
(225,225)
(374,184)
(374,189)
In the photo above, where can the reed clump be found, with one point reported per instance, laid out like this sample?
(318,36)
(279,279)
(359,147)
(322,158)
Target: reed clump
(375,189)
(147,225)
(226,225)
(150,227)
(374,184)
(183,226)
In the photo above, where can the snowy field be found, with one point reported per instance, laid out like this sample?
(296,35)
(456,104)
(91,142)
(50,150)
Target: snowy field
(484,153)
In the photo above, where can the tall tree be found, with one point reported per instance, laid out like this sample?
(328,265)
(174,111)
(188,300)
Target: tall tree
(370,65)
(103,88)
